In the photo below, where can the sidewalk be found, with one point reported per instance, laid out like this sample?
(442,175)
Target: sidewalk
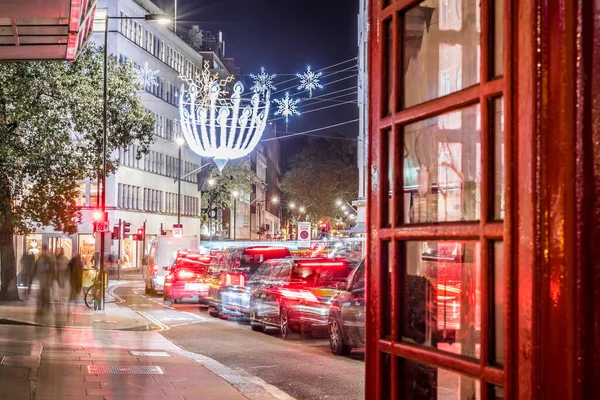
(47,363)
(113,317)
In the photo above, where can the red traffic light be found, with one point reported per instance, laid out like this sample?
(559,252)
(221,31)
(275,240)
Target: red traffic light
(140,232)
(98,216)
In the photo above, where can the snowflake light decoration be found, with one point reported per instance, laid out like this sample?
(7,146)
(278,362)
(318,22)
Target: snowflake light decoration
(205,82)
(287,106)
(262,82)
(309,81)
(145,77)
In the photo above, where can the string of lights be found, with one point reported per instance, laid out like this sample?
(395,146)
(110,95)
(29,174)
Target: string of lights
(306,133)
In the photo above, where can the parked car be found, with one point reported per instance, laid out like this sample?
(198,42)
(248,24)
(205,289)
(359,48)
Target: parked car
(347,313)
(163,252)
(236,266)
(294,294)
(187,278)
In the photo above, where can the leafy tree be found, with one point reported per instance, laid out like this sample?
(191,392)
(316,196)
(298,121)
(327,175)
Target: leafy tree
(236,175)
(321,174)
(194,38)
(51,138)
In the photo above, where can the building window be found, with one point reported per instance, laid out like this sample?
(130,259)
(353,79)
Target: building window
(100,20)
(149,42)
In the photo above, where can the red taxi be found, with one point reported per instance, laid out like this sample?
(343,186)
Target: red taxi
(187,278)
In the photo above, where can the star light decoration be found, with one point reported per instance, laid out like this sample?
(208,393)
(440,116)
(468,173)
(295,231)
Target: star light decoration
(287,107)
(309,81)
(263,82)
(205,82)
(145,76)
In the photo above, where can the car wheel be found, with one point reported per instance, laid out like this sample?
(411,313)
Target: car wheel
(336,339)
(168,303)
(213,312)
(147,289)
(284,323)
(255,325)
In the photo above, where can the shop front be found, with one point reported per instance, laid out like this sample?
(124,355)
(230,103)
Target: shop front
(483,218)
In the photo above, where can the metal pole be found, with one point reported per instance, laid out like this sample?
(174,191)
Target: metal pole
(119,252)
(234,206)
(179,189)
(144,243)
(175,19)
(104,135)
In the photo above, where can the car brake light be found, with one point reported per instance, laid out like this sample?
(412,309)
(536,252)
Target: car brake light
(168,280)
(321,264)
(185,274)
(235,279)
(299,295)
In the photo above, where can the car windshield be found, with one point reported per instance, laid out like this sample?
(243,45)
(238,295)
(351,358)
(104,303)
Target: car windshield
(319,276)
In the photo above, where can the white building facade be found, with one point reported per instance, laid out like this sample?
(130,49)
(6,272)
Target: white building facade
(363,116)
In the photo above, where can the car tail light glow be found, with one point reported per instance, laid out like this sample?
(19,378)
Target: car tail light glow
(235,279)
(262,249)
(299,295)
(322,264)
(185,274)
(168,280)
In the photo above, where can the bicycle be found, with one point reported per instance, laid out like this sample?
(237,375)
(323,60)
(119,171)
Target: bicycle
(92,293)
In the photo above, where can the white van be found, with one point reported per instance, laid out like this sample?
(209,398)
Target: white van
(162,255)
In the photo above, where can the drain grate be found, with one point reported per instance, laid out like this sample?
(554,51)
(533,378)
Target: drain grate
(125,369)
(150,353)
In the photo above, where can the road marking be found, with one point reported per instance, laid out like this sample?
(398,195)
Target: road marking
(154,321)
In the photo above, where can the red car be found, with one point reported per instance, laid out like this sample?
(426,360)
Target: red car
(187,278)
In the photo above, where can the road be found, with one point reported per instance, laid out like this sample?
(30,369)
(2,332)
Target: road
(303,368)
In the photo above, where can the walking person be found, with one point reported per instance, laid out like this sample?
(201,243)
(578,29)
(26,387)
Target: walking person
(45,272)
(27,266)
(75,269)
(62,277)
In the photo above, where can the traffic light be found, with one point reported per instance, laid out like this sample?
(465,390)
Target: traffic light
(115,233)
(126,227)
(325,226)
(100,221)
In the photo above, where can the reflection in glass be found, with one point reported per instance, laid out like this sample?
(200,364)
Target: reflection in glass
(498,45)
(387,258)
(439,48)
(420,381)
(388,163)
(497,393)
(387,106)
(442,168)
(443,300)
(497,356)
(498,110)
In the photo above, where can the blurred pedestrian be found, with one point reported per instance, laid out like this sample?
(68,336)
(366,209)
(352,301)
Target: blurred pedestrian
(45,272)
(75,268)
(27,266)
(62,275)
(76,276)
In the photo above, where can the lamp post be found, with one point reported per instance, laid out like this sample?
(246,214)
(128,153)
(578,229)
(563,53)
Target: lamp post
(161,19)
(211,184)
(235,195)
(180,142)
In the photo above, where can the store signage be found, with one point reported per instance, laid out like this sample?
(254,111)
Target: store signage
(178,230)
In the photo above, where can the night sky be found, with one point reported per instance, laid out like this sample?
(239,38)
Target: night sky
(285,36)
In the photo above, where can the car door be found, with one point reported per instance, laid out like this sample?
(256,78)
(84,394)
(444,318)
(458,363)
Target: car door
(353,307)
(278,279)
(259,299)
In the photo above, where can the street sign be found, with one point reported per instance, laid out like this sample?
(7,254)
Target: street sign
(304,231)
(102,226)
(177,230)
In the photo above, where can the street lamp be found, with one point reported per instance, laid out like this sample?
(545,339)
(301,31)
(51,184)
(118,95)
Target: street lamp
(235,195)
(180,142)
(338,202)
(161,19)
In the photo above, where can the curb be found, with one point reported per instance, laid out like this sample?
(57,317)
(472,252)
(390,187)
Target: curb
(252,387)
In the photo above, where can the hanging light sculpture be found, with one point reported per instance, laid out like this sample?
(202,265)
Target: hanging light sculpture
(222,129)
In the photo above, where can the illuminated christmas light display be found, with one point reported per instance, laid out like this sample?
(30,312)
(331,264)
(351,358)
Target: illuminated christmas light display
(205,82)
(145,76)
(263,82)
(223,132)
(287,106)
(309,81)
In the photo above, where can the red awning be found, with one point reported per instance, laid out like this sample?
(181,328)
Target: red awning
(44,29)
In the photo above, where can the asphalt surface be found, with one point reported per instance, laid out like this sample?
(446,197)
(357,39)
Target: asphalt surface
(304,368)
